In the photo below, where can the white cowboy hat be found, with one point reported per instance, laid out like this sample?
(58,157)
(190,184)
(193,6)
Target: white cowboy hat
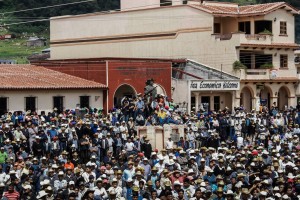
(41,194)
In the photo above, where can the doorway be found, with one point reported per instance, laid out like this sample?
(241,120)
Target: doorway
(265,97)
(3,105)
(216,103)
(58,102)
(283,95)
(246,99)
(205,101)
(30,104)
(123,91)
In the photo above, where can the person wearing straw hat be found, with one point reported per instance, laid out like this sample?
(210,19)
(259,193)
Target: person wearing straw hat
(100,192)
(60,183)
(114,187)
(42,195)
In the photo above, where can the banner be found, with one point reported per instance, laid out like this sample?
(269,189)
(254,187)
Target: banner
(214,85)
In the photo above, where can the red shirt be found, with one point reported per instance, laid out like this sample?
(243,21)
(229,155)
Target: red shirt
(12,196)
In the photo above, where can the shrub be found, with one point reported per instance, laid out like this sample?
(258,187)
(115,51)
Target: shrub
(266,32)
(267,66)
(238,65)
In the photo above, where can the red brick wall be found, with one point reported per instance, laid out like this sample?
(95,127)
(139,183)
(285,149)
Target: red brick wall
(93,72)
(135,74)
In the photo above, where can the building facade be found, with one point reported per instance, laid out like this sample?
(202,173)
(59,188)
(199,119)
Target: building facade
(123,77)
(34,88)
(258,39)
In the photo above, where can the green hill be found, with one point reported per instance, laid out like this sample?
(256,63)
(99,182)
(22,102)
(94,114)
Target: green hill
(16,49)
(11,22)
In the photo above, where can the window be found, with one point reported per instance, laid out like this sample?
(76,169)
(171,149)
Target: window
(58,102)
(283,28)
(30,104)
(263,27)
(283,61)
(245,27)
(165,2)
(3,105)
(84,101)
(217,28)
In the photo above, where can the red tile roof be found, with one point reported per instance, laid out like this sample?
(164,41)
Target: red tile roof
(219,8)
(36,77)
(273,45)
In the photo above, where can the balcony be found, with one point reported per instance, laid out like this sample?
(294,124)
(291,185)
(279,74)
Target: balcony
(240,38)
(257,74)
(256,37)
(265,74)
(223,36)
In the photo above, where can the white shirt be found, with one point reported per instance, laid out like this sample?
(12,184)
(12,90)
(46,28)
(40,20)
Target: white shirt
(129,146)
(4,177)
(100,192)
(118,190)
(160,167)
(85,175)
(240,141)
(169,144)
(191,136)
(60,184)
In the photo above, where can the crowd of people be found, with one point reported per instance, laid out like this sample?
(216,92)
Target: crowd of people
(225,154)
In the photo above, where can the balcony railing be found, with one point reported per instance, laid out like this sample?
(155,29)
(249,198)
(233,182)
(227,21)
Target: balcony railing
(256,72)
(256,37)
(223,36)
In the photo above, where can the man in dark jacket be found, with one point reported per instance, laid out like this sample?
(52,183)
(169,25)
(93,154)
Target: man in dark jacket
(147,148)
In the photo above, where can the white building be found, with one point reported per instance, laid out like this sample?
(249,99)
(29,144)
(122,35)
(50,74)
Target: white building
(28,87)
(213,34)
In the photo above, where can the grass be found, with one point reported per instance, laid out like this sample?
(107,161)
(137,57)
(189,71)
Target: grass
(16,49)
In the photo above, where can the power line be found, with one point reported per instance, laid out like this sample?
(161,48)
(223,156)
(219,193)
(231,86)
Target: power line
(39,8)
(128,9)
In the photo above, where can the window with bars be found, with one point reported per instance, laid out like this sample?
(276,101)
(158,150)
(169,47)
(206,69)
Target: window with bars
(283,29)
(283,61)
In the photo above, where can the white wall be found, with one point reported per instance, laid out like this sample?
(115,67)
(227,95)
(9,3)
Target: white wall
(16,99)
(193,40)
(180,93)
(138,4)
(282,15)
(127,23)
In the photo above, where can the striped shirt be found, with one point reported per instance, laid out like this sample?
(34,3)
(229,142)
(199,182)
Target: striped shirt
(12,196)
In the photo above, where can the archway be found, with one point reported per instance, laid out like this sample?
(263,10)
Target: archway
(265,96)
(121,92)
(246,97)
(283,95)
(159,89)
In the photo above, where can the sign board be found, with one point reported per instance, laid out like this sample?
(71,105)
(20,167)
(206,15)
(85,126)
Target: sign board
(214,85)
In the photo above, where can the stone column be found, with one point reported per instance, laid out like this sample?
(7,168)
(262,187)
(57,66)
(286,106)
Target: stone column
(196,101)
